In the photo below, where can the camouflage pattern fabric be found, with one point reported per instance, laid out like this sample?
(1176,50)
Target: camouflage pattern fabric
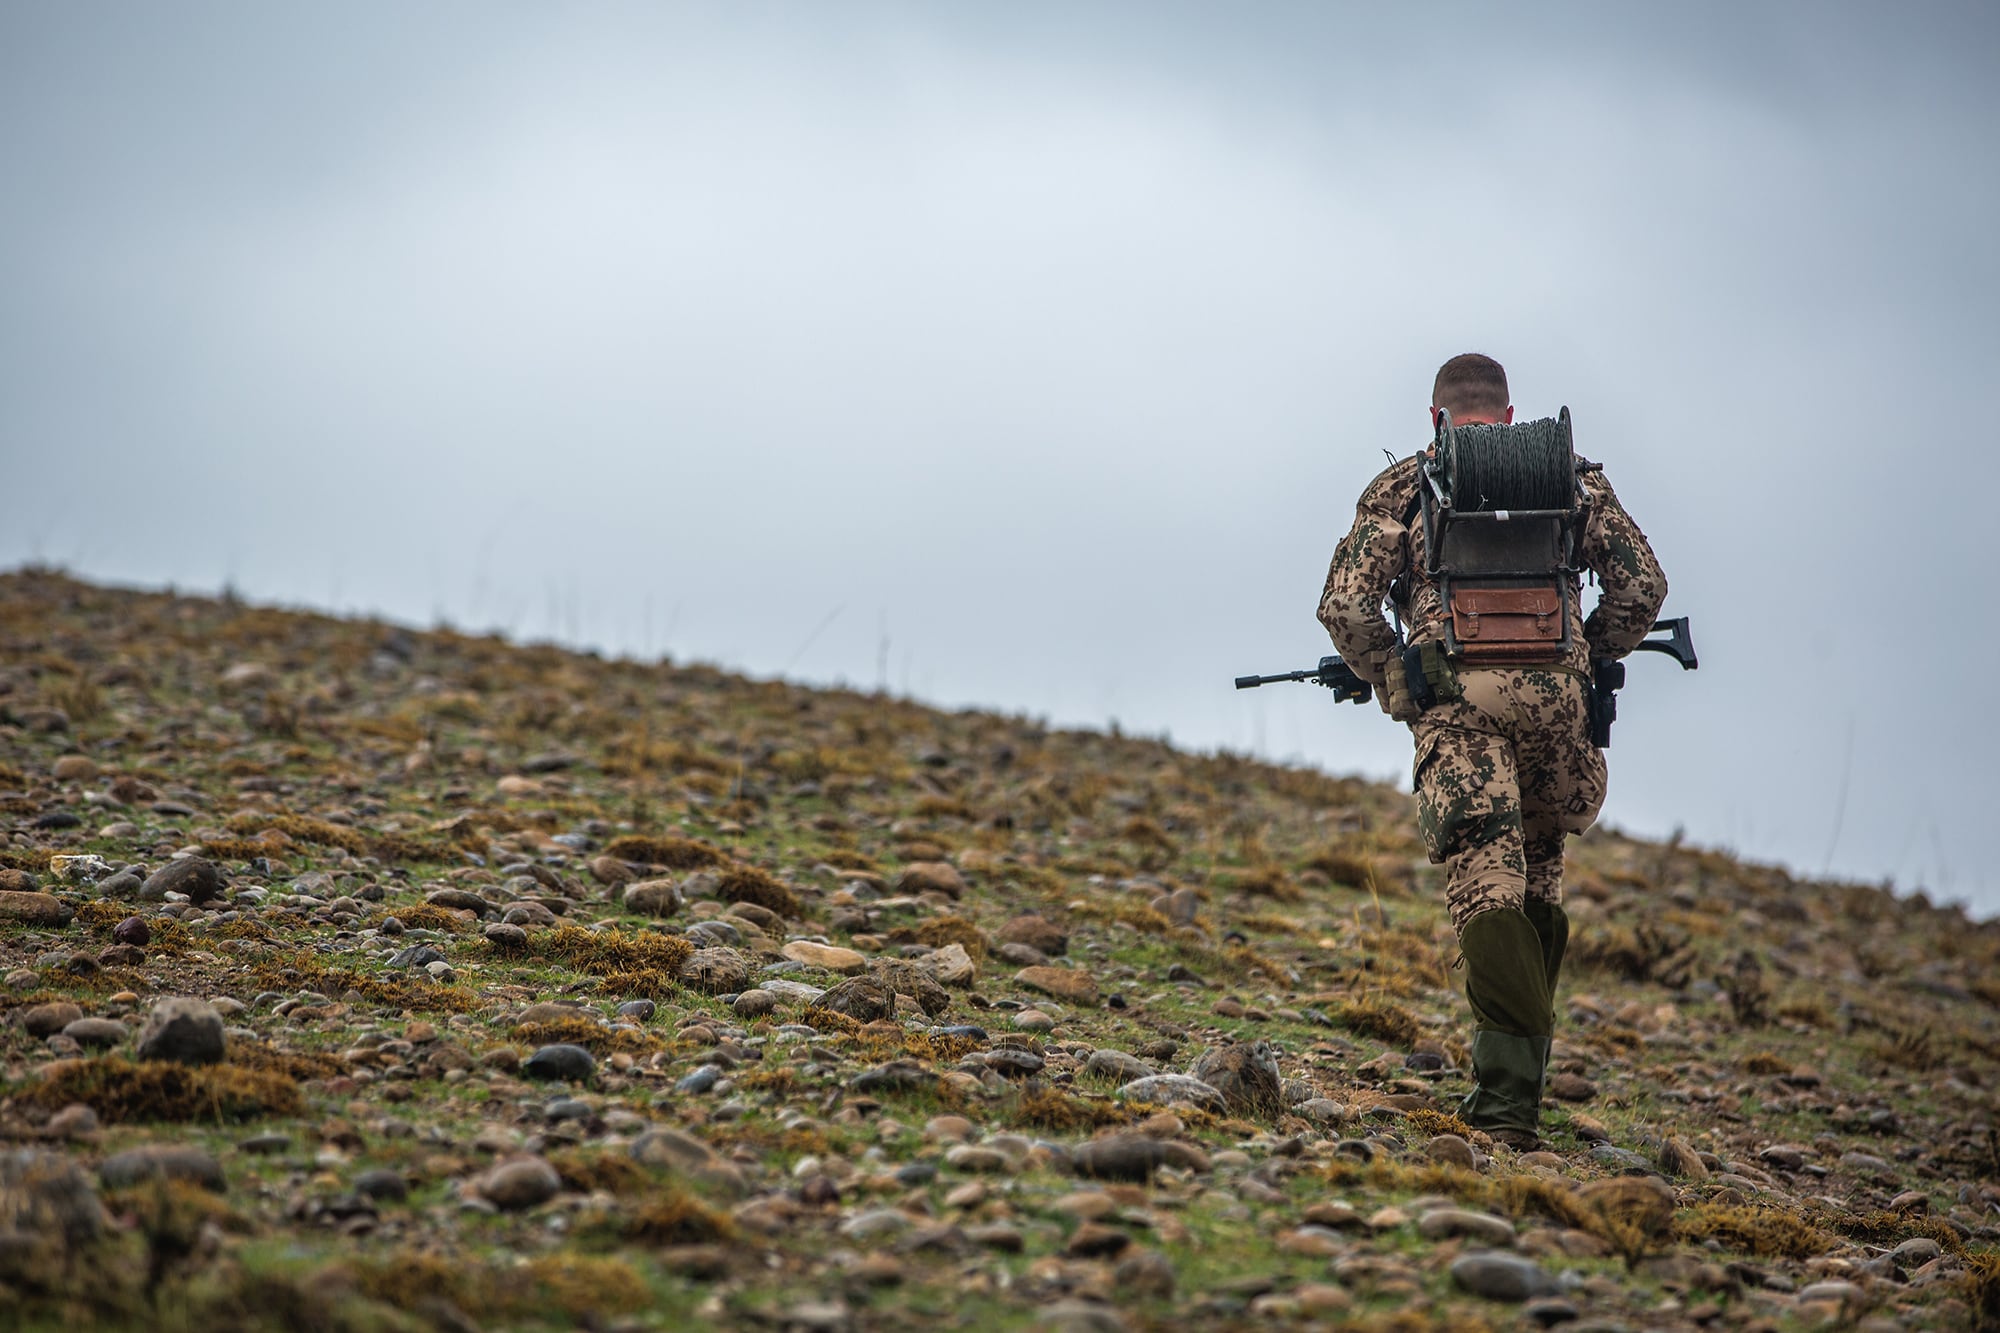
(1388,539)
(1506,773)
(1503,776)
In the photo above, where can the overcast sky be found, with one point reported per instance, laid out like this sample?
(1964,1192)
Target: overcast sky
(1031,356)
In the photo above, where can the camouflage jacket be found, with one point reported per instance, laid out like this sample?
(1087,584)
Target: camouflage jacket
(1387,541)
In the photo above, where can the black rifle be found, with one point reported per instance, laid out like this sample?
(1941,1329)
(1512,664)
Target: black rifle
(1607,676)
(1331,672)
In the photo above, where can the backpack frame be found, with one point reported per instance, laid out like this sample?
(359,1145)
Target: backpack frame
(1502,508)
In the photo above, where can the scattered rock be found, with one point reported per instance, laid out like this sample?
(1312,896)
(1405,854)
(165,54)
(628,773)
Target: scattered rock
(610,871)
(194,877)
(44,1020)
(1167,1089)
(169,1161)
(33,909)
(829,957)
(1502,1277)
(1107,1063)
(1095,1240)
(1119,1157)
(1916,1251)
(1620,1159)
(561,1061)
(1548,1311)
(1678,1158)
(716,971)
(81,870)
(46,1203)
(877,1224)
(75,1121)
(1441,1223)
(862,999)
(1035,931)
(681,1152)
(894,1076)
(915,982)
(952,966)
(973,1157)
(182,1030)
(1644,1202)
(382,1183)
(1245,1073)
(1843,1296)
(652,897)
(1452,1151)
(519,1182)
(1064,983)
(1570,1088)
(97,1032)
(931,877)
(1321,1110)
(755,1003)
(1146,1274)
(1783,1157)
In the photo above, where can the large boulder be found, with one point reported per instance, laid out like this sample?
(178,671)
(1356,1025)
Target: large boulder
(183,1030)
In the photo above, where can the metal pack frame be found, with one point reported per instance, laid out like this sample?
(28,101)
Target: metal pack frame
(1445,518)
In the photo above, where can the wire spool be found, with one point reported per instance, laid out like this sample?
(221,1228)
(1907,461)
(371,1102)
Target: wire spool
(1529,465)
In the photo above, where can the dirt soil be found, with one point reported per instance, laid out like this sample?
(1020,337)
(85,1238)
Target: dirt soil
(364,978)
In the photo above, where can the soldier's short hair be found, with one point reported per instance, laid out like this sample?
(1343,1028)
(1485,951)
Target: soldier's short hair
(1471,384)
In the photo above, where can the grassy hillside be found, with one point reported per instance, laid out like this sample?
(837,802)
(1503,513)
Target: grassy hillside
(865,988)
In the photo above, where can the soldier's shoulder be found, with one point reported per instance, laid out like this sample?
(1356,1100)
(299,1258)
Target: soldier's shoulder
(1394,487)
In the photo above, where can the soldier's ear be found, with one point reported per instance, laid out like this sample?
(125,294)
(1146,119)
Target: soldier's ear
(1507,417)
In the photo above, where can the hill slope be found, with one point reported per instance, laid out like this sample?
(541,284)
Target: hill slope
(862,992)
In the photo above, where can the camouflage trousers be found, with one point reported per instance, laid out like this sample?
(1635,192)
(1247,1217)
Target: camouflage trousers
(1503,776)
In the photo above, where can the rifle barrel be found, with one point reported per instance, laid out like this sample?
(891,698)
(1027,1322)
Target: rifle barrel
(1251,682)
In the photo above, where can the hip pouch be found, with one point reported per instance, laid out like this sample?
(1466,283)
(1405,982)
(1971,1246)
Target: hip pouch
(1521,625)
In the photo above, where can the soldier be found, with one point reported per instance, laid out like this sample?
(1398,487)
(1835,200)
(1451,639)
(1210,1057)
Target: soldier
(1505,770)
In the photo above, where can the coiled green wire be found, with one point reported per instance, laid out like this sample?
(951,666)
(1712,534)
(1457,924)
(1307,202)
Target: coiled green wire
(1527,465)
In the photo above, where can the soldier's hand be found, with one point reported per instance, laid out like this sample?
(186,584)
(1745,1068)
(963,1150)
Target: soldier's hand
(1397,701)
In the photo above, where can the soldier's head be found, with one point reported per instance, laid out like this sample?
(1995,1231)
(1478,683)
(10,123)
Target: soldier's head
(1473,388)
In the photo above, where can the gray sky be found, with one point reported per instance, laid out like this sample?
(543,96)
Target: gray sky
(1049,344)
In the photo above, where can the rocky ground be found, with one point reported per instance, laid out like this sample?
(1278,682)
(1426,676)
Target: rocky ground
(359,978)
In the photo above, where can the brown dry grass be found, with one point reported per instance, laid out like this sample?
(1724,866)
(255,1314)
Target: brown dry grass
(122,1092)
(673,853)
(749,884)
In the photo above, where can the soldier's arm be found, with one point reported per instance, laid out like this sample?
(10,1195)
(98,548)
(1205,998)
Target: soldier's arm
(1365,563)
(1632,585)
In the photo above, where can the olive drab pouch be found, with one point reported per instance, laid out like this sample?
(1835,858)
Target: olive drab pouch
(1501,511)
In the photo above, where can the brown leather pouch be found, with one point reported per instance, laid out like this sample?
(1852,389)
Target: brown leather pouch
(1507,626)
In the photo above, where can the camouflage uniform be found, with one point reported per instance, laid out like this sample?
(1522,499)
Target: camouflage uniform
(1506,773)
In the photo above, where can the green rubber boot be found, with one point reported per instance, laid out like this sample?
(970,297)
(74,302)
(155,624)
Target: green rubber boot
(1507,1100)
(1507,985)
(1551,925)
